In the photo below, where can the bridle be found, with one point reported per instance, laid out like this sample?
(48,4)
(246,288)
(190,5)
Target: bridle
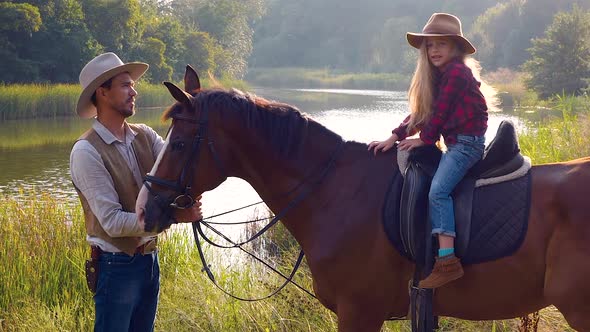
(182,186)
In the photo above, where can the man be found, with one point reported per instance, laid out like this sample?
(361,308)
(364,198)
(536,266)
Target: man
(107,164)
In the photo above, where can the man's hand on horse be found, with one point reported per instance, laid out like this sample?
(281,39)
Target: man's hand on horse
(410,143)
(191,214)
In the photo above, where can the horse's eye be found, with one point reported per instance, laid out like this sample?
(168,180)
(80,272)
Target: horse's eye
(178,146)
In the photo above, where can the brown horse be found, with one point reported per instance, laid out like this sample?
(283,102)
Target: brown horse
(356,272)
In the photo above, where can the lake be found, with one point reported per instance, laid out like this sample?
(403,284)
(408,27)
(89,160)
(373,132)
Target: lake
(359,115)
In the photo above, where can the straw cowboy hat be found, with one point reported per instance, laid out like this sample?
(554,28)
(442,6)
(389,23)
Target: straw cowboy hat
(98,71)
(441,25)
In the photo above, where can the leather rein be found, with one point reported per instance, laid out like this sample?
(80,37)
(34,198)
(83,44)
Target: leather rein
(184,201)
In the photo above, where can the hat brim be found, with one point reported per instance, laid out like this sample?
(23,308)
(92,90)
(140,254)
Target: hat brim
(84,107)
(415,40)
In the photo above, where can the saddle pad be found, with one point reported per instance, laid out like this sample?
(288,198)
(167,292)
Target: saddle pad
(499,219)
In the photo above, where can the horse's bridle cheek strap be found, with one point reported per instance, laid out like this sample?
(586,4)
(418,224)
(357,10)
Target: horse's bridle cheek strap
(182,186)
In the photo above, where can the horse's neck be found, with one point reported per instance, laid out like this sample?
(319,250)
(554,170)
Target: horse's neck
(273,176)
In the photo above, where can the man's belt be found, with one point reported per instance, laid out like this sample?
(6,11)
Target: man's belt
(147,248)
(144,249)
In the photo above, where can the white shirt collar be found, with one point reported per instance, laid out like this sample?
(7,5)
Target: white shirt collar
(108,137)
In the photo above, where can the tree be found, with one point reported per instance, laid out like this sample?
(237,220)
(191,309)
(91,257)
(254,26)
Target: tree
(227,22)
(61,46)
(162,25)
(201,52)
(15,17)
(560,60)
(503,33)
(17,23)
(387,53)
(151,51)
(117,25)
(494,32)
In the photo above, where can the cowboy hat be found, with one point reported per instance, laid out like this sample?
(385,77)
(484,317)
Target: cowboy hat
(99,70)
(441,25)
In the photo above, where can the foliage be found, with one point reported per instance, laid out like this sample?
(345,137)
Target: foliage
(170,31)
(116,25)
(503,33)
(511,89)
(19,17)
(348,35)
(152,51)
(35,56)
(560,139)
(204,51)
(227,37)
(325,78)
(155,31)
(36,101)
(561,59)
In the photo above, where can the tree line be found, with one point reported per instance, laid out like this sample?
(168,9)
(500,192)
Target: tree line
(548,39)
(50,40)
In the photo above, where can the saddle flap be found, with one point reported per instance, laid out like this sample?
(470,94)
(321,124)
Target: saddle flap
(413,211)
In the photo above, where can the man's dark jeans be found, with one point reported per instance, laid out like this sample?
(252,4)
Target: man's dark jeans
(126,297)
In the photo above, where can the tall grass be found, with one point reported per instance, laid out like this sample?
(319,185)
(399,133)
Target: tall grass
(512,91)
(43,248)
(560,138)
(30,101)
(41,253)
(37,100)
(325,78)
(42,287)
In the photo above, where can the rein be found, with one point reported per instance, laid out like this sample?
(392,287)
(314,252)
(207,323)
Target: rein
(197,230)
(185,200)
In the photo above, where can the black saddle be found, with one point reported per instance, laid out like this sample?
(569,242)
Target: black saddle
(490,221)
(501,157)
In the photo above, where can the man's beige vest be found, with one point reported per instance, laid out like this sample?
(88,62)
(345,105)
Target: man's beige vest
(125,184)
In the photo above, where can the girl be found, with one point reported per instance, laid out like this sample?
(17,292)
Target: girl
(445,99)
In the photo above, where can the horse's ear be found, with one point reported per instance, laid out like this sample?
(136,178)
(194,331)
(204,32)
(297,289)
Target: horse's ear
(178,94)
(191,80)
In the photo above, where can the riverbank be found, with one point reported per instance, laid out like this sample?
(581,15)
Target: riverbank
(42,286)
(34,101)
(325,78)
(42,249)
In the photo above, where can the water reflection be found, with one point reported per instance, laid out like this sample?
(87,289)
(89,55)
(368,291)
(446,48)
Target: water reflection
(360,115)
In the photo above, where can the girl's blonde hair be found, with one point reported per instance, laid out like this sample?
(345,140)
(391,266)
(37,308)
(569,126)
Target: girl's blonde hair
(421,92)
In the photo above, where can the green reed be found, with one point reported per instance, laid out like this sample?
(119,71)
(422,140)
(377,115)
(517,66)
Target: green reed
(559,138)
(31,101)
(42,286)
(37,100)
(42,253)
(325,78)
(43,248)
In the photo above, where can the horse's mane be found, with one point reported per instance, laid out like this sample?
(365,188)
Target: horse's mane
(283,125)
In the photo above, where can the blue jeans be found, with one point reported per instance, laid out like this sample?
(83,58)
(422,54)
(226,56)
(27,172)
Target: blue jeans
(453,166)
(126,296)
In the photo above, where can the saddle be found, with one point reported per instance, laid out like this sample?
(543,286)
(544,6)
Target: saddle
(491,206)
(499,182)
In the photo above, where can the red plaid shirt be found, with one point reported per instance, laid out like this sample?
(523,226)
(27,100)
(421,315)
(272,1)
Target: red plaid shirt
(459,107)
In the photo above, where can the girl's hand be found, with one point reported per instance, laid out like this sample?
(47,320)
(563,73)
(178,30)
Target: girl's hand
(410,143)
(383,145)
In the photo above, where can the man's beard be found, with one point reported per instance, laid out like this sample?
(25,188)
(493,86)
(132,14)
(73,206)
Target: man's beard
(127,111)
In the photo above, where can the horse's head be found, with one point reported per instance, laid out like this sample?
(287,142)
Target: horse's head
(188,163)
